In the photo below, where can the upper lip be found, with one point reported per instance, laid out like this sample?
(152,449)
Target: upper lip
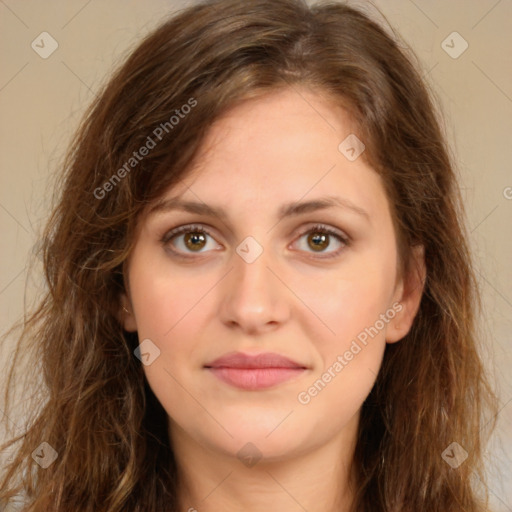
(241,360)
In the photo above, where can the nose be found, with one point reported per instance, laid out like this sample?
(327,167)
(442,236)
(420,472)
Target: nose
(254,297)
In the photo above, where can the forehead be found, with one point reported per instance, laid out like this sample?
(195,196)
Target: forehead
(282,126)
(280,148)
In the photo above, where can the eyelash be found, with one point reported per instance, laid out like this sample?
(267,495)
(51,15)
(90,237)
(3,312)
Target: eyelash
(197,228)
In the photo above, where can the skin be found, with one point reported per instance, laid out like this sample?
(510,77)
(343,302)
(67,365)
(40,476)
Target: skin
(292,300)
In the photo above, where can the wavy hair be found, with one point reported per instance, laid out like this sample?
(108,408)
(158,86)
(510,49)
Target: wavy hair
(95,407)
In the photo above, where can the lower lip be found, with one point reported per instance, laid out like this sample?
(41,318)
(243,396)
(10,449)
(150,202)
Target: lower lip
(255,378)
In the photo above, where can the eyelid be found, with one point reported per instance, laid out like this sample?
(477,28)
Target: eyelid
(320,226)
(185,228)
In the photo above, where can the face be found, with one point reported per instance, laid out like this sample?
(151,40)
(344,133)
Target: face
(316,284)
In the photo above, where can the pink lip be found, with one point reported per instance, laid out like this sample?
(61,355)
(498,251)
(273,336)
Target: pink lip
(254,372)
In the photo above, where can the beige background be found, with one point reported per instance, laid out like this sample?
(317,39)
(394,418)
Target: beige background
(41,101)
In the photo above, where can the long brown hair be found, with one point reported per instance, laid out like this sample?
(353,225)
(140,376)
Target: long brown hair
(97,411)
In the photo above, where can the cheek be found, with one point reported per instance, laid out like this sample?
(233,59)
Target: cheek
(348,301)
(167,310)
(163,299)
(350,339)
(350,351)
(174,376)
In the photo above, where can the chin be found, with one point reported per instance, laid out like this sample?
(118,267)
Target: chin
(251,449)
(267,437)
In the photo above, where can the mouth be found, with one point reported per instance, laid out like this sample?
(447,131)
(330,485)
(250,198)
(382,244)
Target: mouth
(255,372)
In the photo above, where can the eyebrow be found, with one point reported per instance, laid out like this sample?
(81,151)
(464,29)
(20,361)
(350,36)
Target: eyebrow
(286,210)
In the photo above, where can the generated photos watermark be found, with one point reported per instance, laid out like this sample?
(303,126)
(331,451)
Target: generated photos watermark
(151,142)
(361,340)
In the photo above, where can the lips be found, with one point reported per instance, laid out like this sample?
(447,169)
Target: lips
(254,372)
(266,360)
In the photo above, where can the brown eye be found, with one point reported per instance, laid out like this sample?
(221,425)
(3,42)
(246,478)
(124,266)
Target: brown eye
(195,241)
(320,238)
(318,241)
(189,239)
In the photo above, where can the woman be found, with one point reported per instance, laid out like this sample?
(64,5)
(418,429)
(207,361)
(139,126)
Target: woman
(260,292)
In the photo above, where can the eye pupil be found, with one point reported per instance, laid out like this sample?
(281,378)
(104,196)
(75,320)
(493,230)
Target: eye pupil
(318,237)
(191,239)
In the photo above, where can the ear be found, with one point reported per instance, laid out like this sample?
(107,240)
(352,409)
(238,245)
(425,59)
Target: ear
(409,290)
(125,314)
